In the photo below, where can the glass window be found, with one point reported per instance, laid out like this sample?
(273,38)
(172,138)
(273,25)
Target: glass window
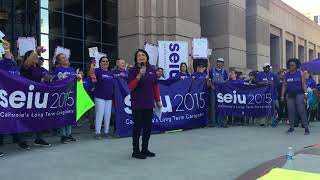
(109,34)
(77,65)
(92,9)
(92,30)
(73,26)
(111,51)
(73,7)
(44,21)
(76,49)
(55,24)
(55,5)
(45,42)
(53,43)
(109,11)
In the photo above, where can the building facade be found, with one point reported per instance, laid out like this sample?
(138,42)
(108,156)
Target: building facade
(246,33)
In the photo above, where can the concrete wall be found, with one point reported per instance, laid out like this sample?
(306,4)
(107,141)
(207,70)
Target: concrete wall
(147,21)
(223,23)
(303,33)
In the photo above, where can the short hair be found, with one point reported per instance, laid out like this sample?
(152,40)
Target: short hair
(294,60)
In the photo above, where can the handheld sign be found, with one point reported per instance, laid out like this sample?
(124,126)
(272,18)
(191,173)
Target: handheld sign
(97,57)
(83,101)
(62,50)
(26,44)
(153,53)
(2,35)
(200,48)
(171,55)
(93,51)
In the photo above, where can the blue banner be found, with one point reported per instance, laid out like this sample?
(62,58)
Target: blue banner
(234,99)
(185,106)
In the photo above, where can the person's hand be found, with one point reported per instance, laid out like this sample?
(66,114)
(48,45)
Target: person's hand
(122,75)
(39,49)
(182,77)
(159,104)
(142,71)
(79,76)
(6,45)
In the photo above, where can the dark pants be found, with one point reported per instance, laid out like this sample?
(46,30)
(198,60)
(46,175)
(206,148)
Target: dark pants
(142,120)
(296,104)
(283,110)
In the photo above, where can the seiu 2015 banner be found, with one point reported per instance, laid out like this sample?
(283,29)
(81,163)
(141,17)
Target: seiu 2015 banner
(234,99)
(26,106)
(185,106)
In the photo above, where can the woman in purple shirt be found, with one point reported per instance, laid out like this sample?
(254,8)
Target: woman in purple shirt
(143,83)
(63,70)
(103,94)
(31,70)
(294,85)
(184,73)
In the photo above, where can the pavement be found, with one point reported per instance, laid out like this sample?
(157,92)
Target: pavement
(199,154)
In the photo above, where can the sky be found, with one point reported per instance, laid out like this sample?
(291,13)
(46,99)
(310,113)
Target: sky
(305,6)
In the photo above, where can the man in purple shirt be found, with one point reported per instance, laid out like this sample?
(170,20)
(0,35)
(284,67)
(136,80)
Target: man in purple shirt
(266,77)
(217,75)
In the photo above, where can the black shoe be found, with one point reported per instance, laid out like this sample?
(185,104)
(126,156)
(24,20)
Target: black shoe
(70,138)
(290,130)
(138,155)
(63,140)
(1,154)
(41,142)
(306,131)
(148,153)
(23,146)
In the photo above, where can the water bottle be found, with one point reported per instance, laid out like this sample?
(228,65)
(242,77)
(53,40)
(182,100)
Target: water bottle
(290,158)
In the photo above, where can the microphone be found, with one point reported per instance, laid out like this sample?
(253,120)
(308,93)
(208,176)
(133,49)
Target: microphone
(143,66)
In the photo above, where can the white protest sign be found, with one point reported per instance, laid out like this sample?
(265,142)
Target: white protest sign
(97,57)
(200,48)
(26,44)
(62,50)
(171,55)
(153,53)
(209,52)
(93,51)
(2,35)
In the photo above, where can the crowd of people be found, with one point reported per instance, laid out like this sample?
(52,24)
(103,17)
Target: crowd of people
(294,93)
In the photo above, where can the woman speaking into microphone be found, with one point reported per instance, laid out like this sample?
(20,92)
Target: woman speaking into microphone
(143,83)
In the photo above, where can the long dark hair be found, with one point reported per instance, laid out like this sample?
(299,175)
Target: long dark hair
(101,60)
(136,56)
(186,66)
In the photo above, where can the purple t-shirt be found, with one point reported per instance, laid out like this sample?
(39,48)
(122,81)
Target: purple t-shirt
(199,75)
(263,77)
(60,72)
(294,84)
(311,83)
(143,96)
(118,71)
(104,85)
(9,66)
(33,73)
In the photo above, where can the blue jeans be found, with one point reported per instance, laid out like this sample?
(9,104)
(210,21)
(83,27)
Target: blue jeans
(65,131)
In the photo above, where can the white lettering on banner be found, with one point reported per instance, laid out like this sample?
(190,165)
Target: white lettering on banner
(244,99)
(195,101)
(171,55)
(19,99)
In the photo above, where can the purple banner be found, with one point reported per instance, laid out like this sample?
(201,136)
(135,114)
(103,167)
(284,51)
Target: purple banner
(234,99)
(27,106)
(185,106)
